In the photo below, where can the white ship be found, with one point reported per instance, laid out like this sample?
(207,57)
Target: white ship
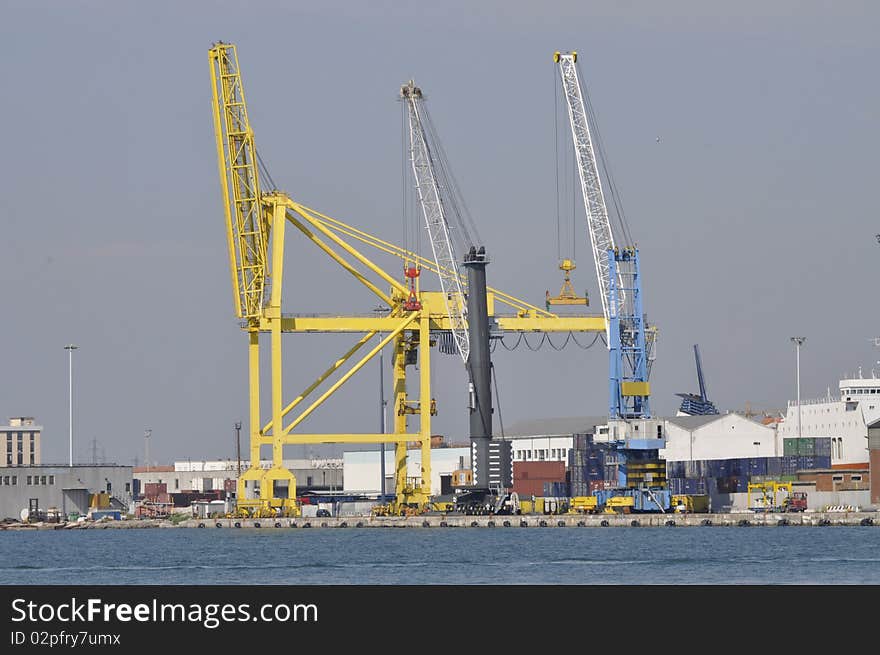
(845,418)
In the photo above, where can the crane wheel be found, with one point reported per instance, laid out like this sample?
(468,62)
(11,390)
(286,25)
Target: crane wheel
(218,524)
(706,522)
(256,524)
(744,523)
(581,524)
(474,524)
(444,524)
(523,524)
(635,523)
(670,524)
(506,524)
(343,525)
(237,524)
(604,523)
(307,524)
(782,522)
(277,524)
(490,524)
(201,525)
(360,524)
(560,524)
(292,524)
(867,521)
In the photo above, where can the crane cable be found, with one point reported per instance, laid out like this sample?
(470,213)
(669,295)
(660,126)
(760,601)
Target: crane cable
(606,169)
(545,338)
(463,219)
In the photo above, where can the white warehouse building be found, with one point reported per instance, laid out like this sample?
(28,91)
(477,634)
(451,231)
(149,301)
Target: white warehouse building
(719,436)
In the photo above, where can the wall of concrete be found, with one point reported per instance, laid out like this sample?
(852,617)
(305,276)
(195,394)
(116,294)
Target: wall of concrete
(816,500)
(67,488)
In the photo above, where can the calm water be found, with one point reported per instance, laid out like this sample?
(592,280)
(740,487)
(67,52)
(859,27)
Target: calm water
(680,556)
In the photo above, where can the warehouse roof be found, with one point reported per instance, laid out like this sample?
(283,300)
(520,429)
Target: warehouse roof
(558,426)
(695,422)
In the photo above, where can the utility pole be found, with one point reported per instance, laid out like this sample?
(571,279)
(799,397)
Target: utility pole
(379,311)
(147,434)
(238,445)
(70,348)
(798,341)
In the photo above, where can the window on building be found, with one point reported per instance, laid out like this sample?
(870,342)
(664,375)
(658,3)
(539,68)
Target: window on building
(529,456)
(855,478)
(128,487)
(837,478)
(5,480)
(51,479)
(177,483)
(43,479)
(14,480)
(29,480)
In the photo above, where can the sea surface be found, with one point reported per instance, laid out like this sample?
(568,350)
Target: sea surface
(789,555)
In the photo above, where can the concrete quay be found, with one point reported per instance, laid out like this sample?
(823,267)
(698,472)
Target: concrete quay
(745,519)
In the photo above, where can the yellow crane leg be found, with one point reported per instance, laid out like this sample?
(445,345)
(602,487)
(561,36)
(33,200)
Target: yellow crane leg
(424,404)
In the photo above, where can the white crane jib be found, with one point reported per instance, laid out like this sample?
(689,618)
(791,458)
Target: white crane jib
(430,199)
(598,222)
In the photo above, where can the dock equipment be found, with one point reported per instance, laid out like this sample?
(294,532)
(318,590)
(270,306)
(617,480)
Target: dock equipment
(629,338)
(416,319)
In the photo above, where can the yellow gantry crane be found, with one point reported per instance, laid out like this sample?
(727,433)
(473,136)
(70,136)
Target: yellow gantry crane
(255,230)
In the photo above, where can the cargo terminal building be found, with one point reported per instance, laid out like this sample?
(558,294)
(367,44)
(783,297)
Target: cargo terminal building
(67,489)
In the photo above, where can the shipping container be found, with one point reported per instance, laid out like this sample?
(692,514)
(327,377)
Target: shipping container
(823,446)
(579,489)
(555,490)
(153,489)
(554,471)
(528,488)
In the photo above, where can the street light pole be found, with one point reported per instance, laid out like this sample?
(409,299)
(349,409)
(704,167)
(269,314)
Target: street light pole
(379,311)
(70,348)
(798,341)
(147,434)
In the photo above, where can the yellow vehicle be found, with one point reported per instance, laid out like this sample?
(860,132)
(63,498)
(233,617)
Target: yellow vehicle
(584,505)
(619,504)
(690,504)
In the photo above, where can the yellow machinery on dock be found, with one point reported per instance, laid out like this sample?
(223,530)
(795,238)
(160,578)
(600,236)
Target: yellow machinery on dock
(769,500)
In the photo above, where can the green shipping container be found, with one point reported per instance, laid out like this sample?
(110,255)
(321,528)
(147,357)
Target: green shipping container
(805,446)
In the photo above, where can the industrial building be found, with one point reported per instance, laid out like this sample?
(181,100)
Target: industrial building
(69,489)
(20,441)
(718,436)
(362,469)
(220,475)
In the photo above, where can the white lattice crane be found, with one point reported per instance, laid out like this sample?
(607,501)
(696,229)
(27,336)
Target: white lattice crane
(434,210)
(617,268)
